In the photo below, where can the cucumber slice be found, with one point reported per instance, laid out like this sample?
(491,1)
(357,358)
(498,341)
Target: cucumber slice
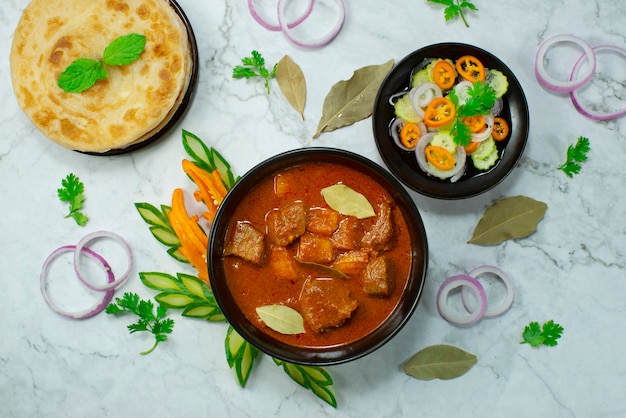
(497,81)
(485,148)
(403,109)
(425,75)
(487,161)
(444,139)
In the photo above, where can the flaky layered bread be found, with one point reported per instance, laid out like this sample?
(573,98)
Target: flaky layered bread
(132,103)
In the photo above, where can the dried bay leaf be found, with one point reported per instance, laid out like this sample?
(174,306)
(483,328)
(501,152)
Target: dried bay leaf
(439,361)
(508,218)
(347,201)
(350,101)
(292,84)
(281,319)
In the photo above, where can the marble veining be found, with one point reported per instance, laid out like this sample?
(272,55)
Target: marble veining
(572,269)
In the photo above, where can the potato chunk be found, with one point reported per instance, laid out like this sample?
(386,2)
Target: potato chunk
(283,264)
(322,221)
(247,242)
(315,249)
(326,303)
(352,262)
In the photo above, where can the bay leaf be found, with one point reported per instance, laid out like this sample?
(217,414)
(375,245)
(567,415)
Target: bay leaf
(292,84)
(326,270)
(281,319)
(439,361)
(350,101)
(509,218)
(347,201)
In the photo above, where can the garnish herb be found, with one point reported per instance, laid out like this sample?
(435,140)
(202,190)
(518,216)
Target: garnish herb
(480,100)
(547,334)
(72,192)
(455,8)
(85,72)
(576,154)
(508,218)
(149,321)
(254,66)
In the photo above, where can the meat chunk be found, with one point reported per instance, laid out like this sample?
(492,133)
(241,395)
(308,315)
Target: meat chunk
(283,264)
(322,221)
(286,224)
(351,262)
(379,236)
(378,279)
(348,235)
(326,304)
(315,249)
(247,242)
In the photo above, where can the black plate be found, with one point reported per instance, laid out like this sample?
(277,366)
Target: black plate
(321,355)
(185,102)
(403,163)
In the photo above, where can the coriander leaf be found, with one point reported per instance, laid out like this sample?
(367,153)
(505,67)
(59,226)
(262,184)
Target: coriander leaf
(547,334)
(575,154)
(481,98)
(124,50)
(552,332)
(72,192)
(81,75)
(147,319)
(532,334)
(455,9)
(461,133)
(254,66)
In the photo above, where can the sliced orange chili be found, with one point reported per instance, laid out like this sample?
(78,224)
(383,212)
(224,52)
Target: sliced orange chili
(409,135)
(440,157)
(470,68)
(471,147)
(443,74)
(500,129)
(439,112)
(475,123)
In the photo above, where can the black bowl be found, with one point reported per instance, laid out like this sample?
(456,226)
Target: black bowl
(326,355)
(186,100)
(403,163)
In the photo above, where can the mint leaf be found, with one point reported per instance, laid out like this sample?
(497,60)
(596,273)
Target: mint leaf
(81,75)
(124,50)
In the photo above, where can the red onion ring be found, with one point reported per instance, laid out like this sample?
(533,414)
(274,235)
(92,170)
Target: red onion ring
(574,95)
(105,297)
(79,249)
(550,83)
(465,281)
(506,303)
(276,28)
(317,43)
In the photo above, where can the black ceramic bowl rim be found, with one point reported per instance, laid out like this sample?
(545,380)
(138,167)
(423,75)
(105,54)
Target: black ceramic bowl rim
(329,355)
(403,164)
(185,102)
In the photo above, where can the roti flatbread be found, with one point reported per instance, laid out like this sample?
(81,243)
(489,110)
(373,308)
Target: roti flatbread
(133,102)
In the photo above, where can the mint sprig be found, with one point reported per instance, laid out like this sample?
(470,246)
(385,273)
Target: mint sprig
(83,73)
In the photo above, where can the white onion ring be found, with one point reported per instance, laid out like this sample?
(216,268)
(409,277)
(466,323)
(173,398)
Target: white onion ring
(396,127)
(276,28)
(465,281)
(317,43)
(497,107)
(102,302)
(549,82)
(461,91)
(79,249)
(423,94)
(453,174)
(574,94)
(506,303)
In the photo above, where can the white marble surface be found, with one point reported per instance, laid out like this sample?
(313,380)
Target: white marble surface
(571,270)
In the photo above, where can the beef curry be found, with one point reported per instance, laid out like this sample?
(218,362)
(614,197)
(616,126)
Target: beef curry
(286,246)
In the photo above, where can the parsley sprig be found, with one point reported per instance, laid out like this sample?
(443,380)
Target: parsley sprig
(455,8)
(546,334)
(480,99)
(576,154)
(254,66)
(149,321)
(73,193)
(85,72)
